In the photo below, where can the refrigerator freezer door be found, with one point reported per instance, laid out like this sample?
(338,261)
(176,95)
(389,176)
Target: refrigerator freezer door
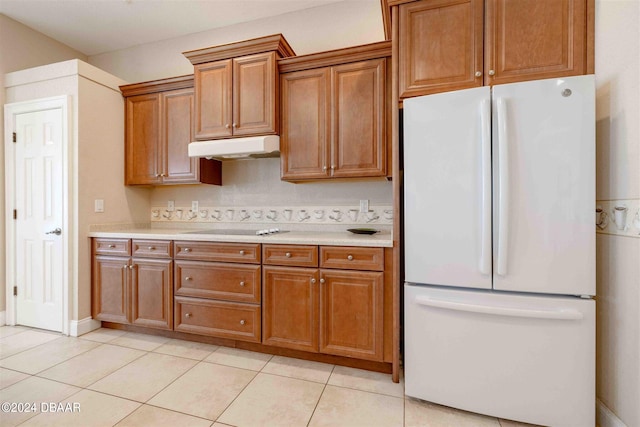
(447,189)
(526,358)
(544,186)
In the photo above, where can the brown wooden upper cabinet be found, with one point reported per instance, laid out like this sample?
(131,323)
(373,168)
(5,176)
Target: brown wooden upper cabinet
(158,128)
(456,44)
(236,87)
(334,113)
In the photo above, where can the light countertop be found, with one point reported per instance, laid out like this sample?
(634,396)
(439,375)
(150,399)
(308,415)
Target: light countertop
(332,238)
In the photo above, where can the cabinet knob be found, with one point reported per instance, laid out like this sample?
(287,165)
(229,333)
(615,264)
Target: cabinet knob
(235,125)
(242,322)
(163,174)
(324,168)
(188,315)
(333,167)
(321,280)
(187,249)
(313,280)
(151,248)
(125,266)
(288,254)
(478,73)
(242,283)
(492,72)
(227,126)
(188,278)
(131,266)
(350,257)
(157,175)
(112,246)
(241,252)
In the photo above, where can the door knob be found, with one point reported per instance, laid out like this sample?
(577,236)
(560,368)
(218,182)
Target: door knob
(57,231)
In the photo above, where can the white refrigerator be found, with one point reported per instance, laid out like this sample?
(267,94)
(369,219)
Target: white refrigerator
(499,248)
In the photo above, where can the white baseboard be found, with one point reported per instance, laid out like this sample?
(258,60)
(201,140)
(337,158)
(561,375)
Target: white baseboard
(3,318)
(606,418)
(83,326)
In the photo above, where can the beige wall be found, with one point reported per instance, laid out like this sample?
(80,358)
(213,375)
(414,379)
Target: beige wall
(618,178)
(312,30)
(20,48)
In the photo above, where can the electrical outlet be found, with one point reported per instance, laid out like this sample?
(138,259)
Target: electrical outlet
(194,206)
(364,206)
(171,206)
(98,205)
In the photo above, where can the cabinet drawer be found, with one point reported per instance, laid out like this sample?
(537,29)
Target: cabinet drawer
(301,256)
(152,248)
(230,282)
(218,318)
(352,258)
(103,246)
(223,252)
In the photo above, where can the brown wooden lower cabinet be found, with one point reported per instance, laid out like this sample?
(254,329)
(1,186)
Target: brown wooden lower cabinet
(351,313)
(325,300)
(132,290)
(291,306)
(335,312)
(151,296)
(217,318)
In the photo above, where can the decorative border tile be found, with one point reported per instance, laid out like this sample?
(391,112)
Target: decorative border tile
(274,215)
(618,217)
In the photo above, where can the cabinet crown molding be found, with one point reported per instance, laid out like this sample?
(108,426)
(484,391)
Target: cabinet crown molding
(161,85)
(275,42)
(335,57)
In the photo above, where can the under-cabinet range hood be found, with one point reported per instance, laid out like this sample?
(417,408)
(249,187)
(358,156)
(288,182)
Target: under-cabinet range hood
(237,148)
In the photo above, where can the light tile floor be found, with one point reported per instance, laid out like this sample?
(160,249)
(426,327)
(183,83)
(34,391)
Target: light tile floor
(119,378)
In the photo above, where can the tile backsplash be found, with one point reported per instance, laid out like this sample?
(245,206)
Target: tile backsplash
(619,217)
(276,215)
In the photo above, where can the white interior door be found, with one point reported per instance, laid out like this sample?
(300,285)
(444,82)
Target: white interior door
(38,184)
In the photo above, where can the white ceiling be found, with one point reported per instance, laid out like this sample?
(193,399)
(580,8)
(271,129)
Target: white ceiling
(98,26)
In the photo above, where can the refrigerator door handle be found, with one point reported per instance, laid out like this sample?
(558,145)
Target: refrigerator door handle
(503,193)
(485,125)
(562,314)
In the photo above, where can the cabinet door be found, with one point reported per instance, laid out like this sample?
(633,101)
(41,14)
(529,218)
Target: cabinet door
(110,289)
(534,39)
(306,124)
(151,293)
(440,46)
(351,317)
(177,125)
(254,95)
(290,307)
(359,128)
(213,99)
(142,139)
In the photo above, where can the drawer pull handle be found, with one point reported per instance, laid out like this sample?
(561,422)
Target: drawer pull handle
(321,280)
(112,246)
(151,248)
(241,252)
(187,249)
(288,254)
(242,322)
(187,278)
(313,280)
(188,315)
(242,283)
(350,257)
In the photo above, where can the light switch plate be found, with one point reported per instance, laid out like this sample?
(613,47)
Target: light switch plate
(194,206)
(99,205)
(171,206)
(364,206)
